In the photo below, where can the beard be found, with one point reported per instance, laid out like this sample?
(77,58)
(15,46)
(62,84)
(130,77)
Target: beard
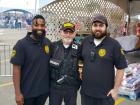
(67,40)
(99,34)
(39,34)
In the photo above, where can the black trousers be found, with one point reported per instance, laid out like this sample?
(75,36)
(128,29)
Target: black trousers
(87,100)
(40,100)
(69,95)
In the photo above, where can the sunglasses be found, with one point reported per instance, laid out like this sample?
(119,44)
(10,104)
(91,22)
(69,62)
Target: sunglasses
(67,32)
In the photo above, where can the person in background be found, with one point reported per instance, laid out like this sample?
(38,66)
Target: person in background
(138,35)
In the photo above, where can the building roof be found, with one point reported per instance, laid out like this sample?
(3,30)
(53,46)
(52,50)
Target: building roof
(18,10)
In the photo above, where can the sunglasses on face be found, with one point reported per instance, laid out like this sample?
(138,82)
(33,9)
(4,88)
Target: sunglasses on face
(68,32)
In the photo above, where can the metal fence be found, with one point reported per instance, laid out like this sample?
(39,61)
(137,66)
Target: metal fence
(5,55)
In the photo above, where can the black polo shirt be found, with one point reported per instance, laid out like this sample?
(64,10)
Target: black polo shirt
(33,57)
(99,62)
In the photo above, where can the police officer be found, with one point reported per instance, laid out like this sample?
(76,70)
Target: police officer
(65,80)
(101,54)
(30,59)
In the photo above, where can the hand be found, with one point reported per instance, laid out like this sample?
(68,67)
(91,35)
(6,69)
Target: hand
(113,93)
(81,76)
(19,99)
(81,73)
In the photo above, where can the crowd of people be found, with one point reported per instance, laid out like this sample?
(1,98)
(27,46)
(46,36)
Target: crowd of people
(15,22)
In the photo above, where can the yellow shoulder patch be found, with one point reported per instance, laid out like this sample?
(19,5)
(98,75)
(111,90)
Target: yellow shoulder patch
(46,49)
(122,51)
(13,53)
(102,52)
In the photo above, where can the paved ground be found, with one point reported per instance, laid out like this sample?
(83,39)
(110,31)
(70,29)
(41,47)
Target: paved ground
(8,36)
(7,94)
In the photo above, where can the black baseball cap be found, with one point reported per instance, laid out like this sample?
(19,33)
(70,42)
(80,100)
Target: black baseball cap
(68,26)
(100,18)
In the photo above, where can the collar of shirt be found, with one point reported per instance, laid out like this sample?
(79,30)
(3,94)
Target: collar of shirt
(29,37)
(91,40)
(66,46)
(98,41)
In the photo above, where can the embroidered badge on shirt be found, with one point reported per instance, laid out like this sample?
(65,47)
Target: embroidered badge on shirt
(122,51)
(46,49)
(74,46)
(13,53)
(102,52)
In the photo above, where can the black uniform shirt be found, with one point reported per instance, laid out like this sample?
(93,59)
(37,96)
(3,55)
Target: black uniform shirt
(33,57)
(99,62)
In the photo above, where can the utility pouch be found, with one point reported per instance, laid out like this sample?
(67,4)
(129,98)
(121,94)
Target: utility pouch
(92,56)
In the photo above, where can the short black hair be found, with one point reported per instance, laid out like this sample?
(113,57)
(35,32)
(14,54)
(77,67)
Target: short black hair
(38,17)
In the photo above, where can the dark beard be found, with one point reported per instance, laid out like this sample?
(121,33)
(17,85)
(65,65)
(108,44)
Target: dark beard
(39,34)
(99,35)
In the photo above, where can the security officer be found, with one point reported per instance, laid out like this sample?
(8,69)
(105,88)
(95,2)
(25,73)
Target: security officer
(65,80)
(30,59)
(100,54)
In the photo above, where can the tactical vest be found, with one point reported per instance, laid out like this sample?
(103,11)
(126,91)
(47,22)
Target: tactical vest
(64,65)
